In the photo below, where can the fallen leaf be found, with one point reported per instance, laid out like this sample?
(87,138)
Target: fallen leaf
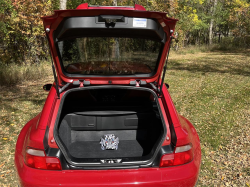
(5,138)
(2,165)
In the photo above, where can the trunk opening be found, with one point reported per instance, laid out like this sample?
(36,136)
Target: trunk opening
(131,114)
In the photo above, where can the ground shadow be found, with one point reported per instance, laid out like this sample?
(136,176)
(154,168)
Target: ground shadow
(213,64)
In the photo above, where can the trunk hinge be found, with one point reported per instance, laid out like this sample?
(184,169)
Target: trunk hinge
(64,87)
(154,87)
(138,83)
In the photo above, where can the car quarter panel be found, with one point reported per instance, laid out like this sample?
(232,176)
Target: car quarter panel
(193,137)
(184,130)
(32,134)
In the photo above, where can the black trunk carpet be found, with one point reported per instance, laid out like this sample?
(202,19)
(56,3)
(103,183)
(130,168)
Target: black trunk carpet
(92,149)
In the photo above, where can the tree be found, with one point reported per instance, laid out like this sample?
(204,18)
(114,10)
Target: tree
(213,9)
(22,37)
(22,30)
(114,2)
(63,4)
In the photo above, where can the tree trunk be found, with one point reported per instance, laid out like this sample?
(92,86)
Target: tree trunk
(85,47)
(114,2)
(171,10)
(116,44)
(212,23)
(63,4)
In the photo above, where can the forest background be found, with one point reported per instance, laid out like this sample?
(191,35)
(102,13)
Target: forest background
(225,23)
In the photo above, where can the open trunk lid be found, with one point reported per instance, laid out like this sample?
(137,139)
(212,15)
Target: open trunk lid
(108,45)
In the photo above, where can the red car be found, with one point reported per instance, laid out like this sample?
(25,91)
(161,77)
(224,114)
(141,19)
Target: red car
(108,119)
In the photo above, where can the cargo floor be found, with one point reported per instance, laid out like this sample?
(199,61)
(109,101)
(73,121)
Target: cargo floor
(92,149)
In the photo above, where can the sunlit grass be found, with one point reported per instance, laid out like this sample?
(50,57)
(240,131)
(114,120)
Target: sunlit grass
(19,103)
(212,90)
(13,74)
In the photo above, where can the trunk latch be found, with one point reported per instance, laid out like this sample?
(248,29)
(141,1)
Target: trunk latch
(138,83)
(81,83)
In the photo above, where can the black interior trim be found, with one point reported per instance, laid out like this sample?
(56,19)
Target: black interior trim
(73,27)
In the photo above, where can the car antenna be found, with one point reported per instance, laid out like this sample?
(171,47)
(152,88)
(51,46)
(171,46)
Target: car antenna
(53,69)
(165,67)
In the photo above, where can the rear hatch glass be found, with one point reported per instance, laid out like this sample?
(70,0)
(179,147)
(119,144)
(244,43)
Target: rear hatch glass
(109,55)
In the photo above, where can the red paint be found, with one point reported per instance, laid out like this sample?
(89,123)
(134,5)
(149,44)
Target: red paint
(184,175)
(167,140)
(85,6)
(47,109)
(32,135)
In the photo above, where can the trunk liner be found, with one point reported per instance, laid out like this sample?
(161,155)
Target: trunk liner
(131,115)
(92,149)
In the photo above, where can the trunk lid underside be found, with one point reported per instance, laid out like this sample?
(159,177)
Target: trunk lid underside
(100,45)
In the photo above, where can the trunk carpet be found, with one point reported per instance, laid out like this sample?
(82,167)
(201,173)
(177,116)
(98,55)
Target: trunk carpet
(92,149)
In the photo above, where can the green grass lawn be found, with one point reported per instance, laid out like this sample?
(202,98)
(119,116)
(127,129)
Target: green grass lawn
(211,89)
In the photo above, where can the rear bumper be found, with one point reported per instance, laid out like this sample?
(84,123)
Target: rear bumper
(185,175)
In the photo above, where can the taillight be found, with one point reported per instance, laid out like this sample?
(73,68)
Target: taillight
(182,155)
(38,159)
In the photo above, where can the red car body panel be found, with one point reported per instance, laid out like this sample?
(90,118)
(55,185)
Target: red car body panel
(182,176)
(32,135)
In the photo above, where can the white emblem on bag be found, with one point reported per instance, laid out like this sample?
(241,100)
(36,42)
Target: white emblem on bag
(109,142)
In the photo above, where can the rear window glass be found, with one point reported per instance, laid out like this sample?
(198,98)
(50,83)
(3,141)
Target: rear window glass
(109,55)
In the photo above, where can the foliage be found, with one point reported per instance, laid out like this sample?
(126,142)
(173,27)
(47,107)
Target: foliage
(22,38)
(22,34)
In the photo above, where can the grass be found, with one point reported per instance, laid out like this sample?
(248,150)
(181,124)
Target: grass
(20,101)
(209,87)
(212,89)
(13,74)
